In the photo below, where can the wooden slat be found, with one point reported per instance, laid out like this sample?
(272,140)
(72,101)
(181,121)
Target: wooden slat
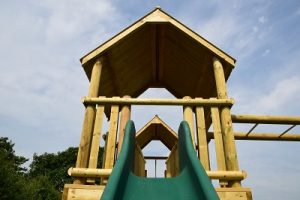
(139,162)
(173,163)
(111,138)
(82,192)
(202,140)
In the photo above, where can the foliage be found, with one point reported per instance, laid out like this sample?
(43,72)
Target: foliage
(44,180)
(11,171)
(7,153)
(55,166)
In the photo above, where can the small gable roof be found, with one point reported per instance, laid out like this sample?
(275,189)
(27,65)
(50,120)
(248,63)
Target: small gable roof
(156,129)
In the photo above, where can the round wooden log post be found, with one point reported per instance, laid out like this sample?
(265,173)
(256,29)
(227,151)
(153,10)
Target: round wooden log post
(226,122)
(111,138)
(125,116)
(93,160)
(88,122)
(220,155)
(201,136)
(188,115)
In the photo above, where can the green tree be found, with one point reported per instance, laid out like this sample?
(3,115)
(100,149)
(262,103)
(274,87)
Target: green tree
(7,153)
(56,165)
(11,171)
(45,179)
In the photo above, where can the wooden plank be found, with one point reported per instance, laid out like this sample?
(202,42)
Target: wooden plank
(125,116)
(139,162)
(265,119)
(227,130)
(91,193)
(170,102)
(202,140)
(82,192)
(111,137)
(188,115)
(172,163)
(234,193)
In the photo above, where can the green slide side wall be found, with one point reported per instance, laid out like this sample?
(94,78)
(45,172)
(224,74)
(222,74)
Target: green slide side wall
(192,182)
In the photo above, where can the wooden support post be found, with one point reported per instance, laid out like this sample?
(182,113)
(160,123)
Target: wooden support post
(220,155)
(202,140)
(188,115)
(111,138)
(125,116)
(226,122)
(88,122)
(96,140)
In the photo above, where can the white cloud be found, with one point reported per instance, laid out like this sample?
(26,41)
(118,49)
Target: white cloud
(281,94)
(69,19)
(262,19)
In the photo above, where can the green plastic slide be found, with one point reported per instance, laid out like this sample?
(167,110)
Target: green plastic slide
(191,183)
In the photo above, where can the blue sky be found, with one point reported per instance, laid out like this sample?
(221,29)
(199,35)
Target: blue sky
(41,79)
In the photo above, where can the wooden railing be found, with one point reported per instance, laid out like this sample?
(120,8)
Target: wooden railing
(194,112)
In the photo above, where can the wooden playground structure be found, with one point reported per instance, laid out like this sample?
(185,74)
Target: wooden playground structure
(157,51)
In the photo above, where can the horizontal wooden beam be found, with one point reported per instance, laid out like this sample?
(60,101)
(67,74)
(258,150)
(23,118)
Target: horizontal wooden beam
(170,102)
(262,136)
(155,157)
(89,172)
(98,173)
(265,119)
(227,175)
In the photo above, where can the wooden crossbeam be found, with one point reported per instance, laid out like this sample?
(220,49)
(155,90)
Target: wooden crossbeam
(266,119)
(170,102)
(261,136)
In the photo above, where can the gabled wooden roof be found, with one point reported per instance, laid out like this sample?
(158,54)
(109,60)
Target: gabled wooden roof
(157,51)
(156,129)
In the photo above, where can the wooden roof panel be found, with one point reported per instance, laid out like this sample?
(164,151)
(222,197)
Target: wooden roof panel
(157,51)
